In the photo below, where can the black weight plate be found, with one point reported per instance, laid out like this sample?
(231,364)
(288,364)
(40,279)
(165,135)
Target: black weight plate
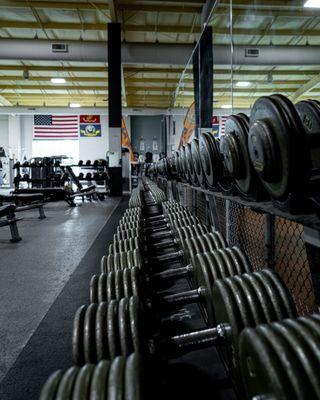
(210,159)
(269,147)
(103,264)
(204,279)
(135,323)
(124,327)
(77,335)
(257,361)
(118,281)
(287,359)
(303,346)
(50,388)
(123,261)
(284,293)
(111,262)
(102,288)
(94,289)
(133,378)
(192,177)
(111,290)
(211,264)
(272,296)
(66,384)
(99,382)
(251,298)
(116,379)
(195,153)
(135,281)
(227,261)
(219,265)
(111,248)
(89,339)
(223,243)
(112,329)
(127,289)
(137,258)
(242,303)
(213,241)
(82,384)
(101,332)
(242,259)
(235,260)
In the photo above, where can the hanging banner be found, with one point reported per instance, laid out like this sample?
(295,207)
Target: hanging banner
(126,142)
(90,126)
(189,125)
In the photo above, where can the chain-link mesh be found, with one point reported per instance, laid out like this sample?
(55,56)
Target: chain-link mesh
(246,230)
(220,207)
(201,207)
(291,262)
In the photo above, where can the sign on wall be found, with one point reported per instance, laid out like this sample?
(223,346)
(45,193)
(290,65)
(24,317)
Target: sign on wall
(90,126)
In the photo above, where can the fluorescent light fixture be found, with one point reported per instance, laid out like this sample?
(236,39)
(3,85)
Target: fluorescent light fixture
(226,106)
(312,4)
(58,80)
(74,105)
(243,84)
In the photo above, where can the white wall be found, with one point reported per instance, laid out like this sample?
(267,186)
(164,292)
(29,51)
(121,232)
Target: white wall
(4,131)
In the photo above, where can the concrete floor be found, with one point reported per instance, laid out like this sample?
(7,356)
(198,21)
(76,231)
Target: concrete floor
(34,271)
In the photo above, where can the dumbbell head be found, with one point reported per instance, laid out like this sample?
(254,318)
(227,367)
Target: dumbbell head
(107,330)
(115,285)
(124,245)
(128,259)
(282,360)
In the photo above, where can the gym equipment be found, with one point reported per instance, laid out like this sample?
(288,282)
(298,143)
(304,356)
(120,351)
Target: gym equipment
(8,211)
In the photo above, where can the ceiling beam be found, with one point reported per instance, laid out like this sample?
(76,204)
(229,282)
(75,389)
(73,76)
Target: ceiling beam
(61,5)
(307,87)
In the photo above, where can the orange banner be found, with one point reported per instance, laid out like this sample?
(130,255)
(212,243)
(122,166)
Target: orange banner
(125,139)
(189,125)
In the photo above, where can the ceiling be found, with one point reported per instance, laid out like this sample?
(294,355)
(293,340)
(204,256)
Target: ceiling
(265,22)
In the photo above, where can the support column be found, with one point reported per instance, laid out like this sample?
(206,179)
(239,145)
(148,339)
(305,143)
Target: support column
(203,82)
(14,142)
(115,108)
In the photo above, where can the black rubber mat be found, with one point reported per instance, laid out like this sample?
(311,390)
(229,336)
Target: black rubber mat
(50,346)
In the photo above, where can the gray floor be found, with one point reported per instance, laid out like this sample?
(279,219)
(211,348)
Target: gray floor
(34,271)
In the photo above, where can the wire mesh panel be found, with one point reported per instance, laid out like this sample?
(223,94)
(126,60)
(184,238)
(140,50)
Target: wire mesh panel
(220,206)
(291,262)
(246,230)
(201,207)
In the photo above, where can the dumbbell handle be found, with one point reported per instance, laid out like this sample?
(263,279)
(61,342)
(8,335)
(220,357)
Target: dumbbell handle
(161,235)
(181,344)
(174,273)
(183,298)
(176,256)
(157,229)
(163,245)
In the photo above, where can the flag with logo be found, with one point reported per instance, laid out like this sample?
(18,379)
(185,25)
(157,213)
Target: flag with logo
(49,126)
(90,126)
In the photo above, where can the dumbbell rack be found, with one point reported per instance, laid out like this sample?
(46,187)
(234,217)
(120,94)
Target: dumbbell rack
(288,243)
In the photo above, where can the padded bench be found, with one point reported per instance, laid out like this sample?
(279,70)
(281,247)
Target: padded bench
(26,202)
(49,194)
(8,212)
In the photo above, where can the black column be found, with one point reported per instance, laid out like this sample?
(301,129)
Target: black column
(115,110)
(203,80)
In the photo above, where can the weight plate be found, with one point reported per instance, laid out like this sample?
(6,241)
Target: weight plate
(50,388)
(241,259)
(102,288)
(297,338)
(223,243)
(123,261)
(116,379)
(101,332)
(98,388)
(228,261)
(242,303)
(137,259)
(213,269)
(112,329)
(212,241)
(218,265)
(286,298)
(264,305)
(118,283)
(94,289)
(210,159)
(135,323)
(270,146)
(289,363)
(66,384)
(103,264)
(111,292)
(111,259)
(192,176)
(77,336)
(195,154)
(235,261)
(111,250)
(133,378)
(82,383)
(124,327)
(89,340)
(135,281)
(272,296)
(127,289)
(257,361)
(252,300)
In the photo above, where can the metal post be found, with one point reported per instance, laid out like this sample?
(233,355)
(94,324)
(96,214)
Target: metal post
(269,234)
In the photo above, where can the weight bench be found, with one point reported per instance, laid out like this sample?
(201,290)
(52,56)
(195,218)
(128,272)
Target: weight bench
(49,194)
(8,211)
(26,202)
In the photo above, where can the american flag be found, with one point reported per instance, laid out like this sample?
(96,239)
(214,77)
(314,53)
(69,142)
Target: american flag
(56,127)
